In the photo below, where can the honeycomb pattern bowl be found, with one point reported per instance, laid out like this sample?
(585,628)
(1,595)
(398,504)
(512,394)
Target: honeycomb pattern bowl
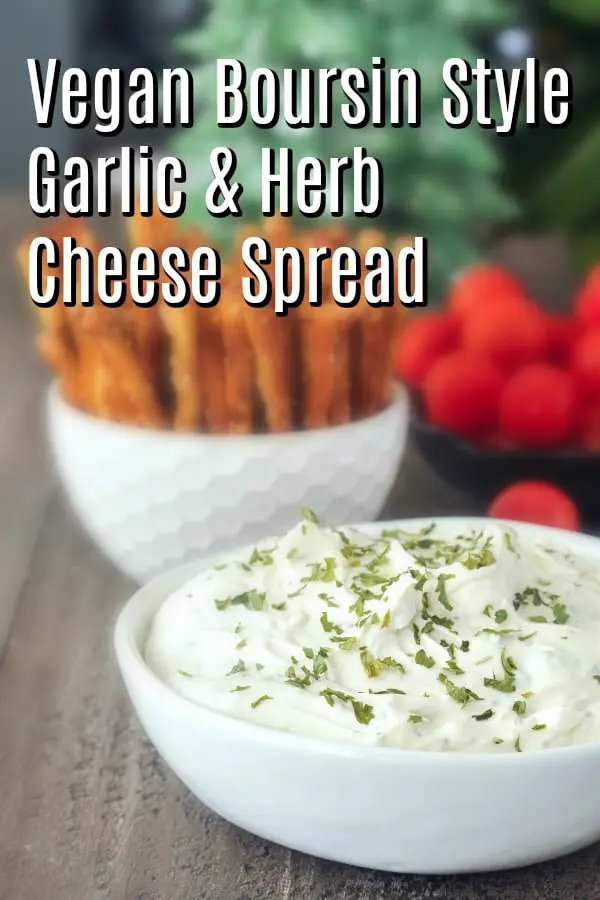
(152,500)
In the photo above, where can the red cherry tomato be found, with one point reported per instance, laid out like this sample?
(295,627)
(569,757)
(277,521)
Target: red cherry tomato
(536,502)
(587,301)
(481,286)
(511,334)
(561,335)
(540,407)
(585,363)
(424,339)
(461,393)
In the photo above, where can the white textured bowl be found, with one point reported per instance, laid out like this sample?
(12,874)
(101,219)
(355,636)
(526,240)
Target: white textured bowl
(420,812)
(153,499)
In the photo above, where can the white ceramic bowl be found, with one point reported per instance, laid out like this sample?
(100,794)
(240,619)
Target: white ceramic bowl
(419,812)
(153,499)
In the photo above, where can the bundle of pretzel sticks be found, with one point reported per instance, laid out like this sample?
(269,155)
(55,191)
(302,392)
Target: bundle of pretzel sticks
(227,369)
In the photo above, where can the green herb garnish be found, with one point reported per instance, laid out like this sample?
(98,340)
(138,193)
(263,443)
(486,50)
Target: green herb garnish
(506,684)
(327,599)
(389,691)
(441,591)
(250,599)
(240,666)
(482,559)
(344,643)
(453,666)
(559,611)
(422,659)
(328,625)
(363,713)
(222,604)
(260,700)
(374,667)
(461,695)
(321,571)
(499,631)
(261,557)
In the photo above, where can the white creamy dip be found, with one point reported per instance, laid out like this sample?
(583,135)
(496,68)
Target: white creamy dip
(430,640)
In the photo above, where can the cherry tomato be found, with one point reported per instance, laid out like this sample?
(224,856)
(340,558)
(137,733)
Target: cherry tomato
(561,335)
(511,334)
(423,340)
(481,286)
(461,393)
(540,407)
(536,502)
(585,363)
(587,301)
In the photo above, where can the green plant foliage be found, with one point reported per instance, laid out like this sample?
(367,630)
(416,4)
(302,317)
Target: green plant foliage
(554,171)
(587,11)
(441,183)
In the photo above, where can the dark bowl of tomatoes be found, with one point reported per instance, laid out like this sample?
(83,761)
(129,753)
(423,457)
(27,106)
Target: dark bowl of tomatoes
(505,391)
(484,470)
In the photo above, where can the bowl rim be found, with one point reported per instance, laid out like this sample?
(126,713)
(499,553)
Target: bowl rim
(421,426)
(143,605)
(58,405)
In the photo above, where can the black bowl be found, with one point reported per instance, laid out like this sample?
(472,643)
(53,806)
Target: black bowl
(483,472)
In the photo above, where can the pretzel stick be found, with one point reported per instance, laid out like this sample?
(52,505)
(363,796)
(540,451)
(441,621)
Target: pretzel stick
(157,233)
(207,327)
(341,409)
(238,363)
(272,344)
(118,385)
(181,325)
(377,330)
(320,333)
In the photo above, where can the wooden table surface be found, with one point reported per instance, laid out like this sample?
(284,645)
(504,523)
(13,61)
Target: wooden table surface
(87,810)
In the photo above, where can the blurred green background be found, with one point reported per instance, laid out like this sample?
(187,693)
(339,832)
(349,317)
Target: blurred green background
(554,172)
(459,188)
